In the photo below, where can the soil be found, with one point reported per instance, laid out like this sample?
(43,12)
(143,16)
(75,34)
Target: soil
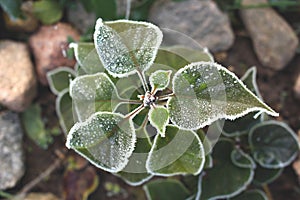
(275,87)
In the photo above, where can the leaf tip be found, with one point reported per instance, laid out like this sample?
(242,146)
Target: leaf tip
(99,23)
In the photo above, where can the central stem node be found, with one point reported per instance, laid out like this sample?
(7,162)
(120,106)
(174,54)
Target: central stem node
(148,99)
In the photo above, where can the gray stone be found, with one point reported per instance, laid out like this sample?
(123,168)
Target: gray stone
(200,20)
(274,41)
(297,87)
(17,77)
(80,18)
(49,47)
(11,152)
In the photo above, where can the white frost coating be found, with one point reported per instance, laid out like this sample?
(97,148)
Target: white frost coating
(252,163)
(289,130)
(241,189)
(157,76)
(112,57)
(85,96)
(58,110)
(55,71)
(154,123)
(252,71)
(138,183)
(217,116)
(170,148)
(126,152)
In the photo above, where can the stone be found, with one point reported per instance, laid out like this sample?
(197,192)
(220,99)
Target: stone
(297,87)
(49,47)
(41,196)
(274,41)
(17,77)
(11,152)
(80,18)
(198,19)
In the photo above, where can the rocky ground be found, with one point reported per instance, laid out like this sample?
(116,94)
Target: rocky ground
(264,38)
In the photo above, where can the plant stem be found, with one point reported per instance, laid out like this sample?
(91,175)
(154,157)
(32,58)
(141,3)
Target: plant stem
(268,192)
(40,178)
(165,97)
(135,112)
(128,8)
(143,79)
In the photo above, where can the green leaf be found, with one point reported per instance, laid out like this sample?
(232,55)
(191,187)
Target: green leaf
(126,47)
(135,172)
(59,79)
(224,179)
(34,126)
(102,8)
(269,141)
(180,152)
(93,93)
(191,55)
(159,118)
(105,139)
(87,57)
(265,176)
(160,79)
(205,92)
(12,8)
(64,110)
(165,190)
(242,125)
(241,159)
(251,195)
(47,11)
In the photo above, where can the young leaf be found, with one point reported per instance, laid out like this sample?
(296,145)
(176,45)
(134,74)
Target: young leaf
(166,189)
(269,141)
(205,92)
(135,172)
(159,118)
(251,195)
(224,179)
(265,176)
(93,93)
(105,139)
(34,126)
(180,152)
(47,11)
(126,47)
(59,79)
(160,79)
(64,110)
(87,57)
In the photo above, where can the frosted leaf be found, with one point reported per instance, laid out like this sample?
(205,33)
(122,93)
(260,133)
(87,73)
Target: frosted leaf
(159,118)
(159,80)
(125,47)
(224,180)
(242,125)
(59,79)
(205,92)
(105,139)
(93,93)
(135,172)
(242,159)
(273,144)
(64,110)
(87,57)
(180,152)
